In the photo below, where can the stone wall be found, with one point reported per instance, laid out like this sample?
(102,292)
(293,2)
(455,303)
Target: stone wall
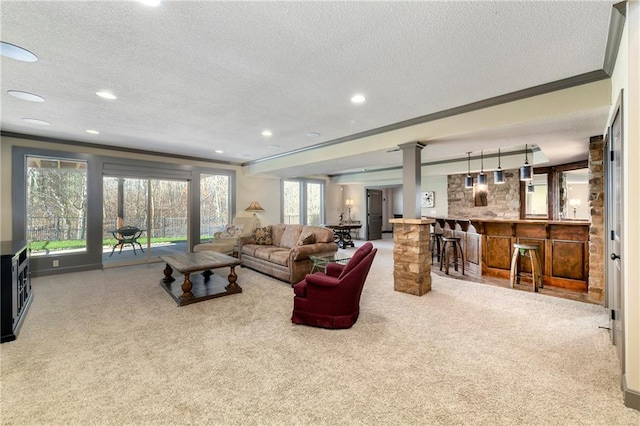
(597,229)
(503,201)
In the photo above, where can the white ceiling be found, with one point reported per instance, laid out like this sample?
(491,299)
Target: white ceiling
(195,77)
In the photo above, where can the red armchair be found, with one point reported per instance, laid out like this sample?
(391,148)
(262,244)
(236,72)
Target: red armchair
(332,300)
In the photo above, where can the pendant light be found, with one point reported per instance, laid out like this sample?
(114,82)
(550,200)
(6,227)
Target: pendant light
(526,171)
(468,181)
(530,188)
(498,174)
(482,176)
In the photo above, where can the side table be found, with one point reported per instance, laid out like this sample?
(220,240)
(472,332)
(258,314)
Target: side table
(321,260)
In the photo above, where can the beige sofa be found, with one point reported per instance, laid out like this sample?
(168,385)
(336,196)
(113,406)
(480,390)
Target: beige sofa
(285,255)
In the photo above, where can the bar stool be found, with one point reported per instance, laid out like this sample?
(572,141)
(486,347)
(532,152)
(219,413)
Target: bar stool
(452,244)
(530,251)
(435,246)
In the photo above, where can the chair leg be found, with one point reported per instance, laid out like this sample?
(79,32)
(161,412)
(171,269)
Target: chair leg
(461,256)
(455,256)
(514,267)
(536,275)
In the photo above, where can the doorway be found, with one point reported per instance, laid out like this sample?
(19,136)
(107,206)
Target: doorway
(157,208)
(374,214)
(615,284)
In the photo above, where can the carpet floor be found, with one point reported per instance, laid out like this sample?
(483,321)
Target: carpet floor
(111,347)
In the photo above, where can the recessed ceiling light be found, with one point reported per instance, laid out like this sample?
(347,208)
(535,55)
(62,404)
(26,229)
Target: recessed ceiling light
(12,51)
(358,99)
(93,132)
(267,133)
(25,96)
(219,151)
(36,121)
(313,134)
(274,146)
(151,2)
(106,95)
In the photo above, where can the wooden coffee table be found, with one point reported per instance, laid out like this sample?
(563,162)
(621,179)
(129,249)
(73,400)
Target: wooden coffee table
(199,287)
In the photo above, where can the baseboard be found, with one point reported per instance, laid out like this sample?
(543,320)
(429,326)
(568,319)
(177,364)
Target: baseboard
(65,270)
(631,397)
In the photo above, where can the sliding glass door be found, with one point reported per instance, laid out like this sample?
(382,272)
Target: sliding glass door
(143,218)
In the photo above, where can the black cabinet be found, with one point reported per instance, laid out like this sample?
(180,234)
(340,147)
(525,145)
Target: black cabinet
(15,287)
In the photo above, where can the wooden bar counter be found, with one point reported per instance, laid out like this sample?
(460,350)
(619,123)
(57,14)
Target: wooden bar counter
(488,247)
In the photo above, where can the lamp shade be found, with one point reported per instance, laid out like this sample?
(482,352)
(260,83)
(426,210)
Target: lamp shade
(482,179)
(526,172)
(254,207)
(468,181)
(498,174)
(348,203)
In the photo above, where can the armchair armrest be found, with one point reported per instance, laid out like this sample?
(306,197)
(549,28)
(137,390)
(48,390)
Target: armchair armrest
(321,280)
(334,269)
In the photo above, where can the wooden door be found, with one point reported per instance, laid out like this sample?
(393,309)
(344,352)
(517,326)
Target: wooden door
(374,214)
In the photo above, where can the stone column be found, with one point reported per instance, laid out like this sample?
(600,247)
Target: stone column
(412,255)
(597,228)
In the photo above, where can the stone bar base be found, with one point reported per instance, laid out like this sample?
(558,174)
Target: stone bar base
(412,255)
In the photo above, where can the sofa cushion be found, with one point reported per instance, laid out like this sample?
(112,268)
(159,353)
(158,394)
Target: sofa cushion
(280,257)
(290,236)
(306,238)
(262,236)
(276,232)
(250,249)
(323,235)
(264,252)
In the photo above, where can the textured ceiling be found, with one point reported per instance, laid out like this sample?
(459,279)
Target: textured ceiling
(194,77)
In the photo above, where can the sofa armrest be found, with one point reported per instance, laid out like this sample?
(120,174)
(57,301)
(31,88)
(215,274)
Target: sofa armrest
(244,240)
(303,252)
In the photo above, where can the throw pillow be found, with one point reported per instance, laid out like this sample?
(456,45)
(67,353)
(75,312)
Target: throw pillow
(306,238)
(232,231)
(263,236)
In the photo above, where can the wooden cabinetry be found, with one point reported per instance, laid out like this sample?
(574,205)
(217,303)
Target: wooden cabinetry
(15,287)
(564,249)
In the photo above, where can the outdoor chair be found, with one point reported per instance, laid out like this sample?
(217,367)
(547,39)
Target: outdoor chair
(127,235)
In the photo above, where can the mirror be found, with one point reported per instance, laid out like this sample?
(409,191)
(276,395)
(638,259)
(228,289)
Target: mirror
(537,197)
(574,194)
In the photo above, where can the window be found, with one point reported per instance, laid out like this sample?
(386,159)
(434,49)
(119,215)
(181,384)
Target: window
(303,201)
(56,196)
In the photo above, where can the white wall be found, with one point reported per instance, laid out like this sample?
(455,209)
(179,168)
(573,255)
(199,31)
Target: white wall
(437,184)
